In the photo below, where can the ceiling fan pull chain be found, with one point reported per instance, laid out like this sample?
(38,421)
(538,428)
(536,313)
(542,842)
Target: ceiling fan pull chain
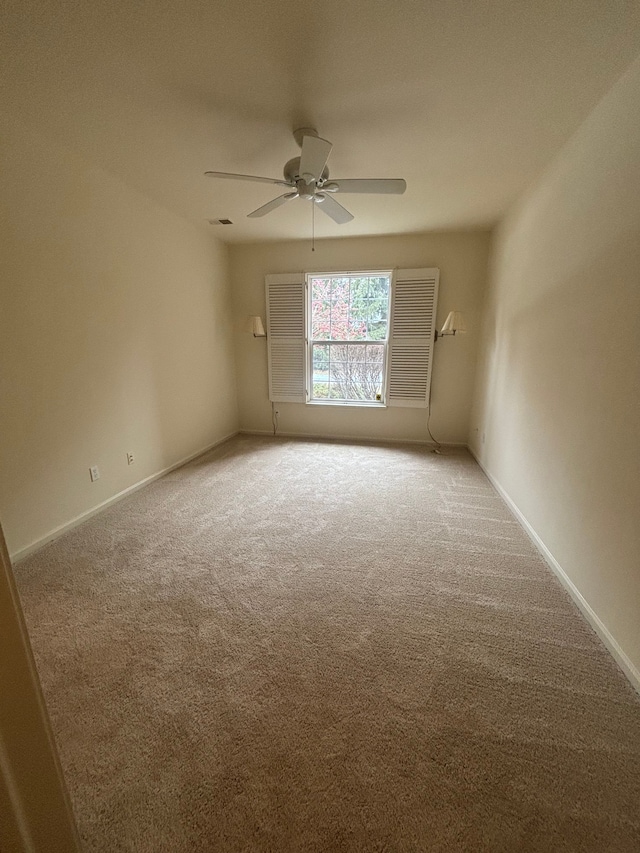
(313,227)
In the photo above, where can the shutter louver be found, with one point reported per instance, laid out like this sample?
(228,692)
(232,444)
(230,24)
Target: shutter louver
(286,337)
(414,298)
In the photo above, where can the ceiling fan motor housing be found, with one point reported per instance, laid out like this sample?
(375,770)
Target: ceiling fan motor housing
(306,189)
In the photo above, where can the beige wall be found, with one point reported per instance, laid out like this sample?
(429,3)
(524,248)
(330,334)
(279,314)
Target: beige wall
(115,336)
(462,259)
(557,392)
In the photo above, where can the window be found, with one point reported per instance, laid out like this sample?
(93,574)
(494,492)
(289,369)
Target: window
(351,338)
(348,326)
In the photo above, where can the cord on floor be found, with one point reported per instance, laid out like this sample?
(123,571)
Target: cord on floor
(438,446)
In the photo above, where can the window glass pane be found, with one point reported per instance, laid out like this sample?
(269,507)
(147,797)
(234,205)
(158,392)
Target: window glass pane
(320,308)
(378,307)
(320,356)
(375,353)
(339,352)
(348,308)
(340,309)
(320,371)
(358,308)
(338,371)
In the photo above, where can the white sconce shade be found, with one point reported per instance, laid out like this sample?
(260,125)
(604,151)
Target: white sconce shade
(454,323)
(257,328)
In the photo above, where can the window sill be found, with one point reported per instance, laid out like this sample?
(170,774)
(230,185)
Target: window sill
(363,404)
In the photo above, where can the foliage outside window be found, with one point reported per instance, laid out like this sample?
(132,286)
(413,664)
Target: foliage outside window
(348,336)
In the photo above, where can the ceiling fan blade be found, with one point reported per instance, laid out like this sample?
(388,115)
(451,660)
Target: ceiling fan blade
(314,156)
(233,177)
(334,209)
(392,186)
(271,205)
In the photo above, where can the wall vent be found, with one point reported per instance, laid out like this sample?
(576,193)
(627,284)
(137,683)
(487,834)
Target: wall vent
(220,222)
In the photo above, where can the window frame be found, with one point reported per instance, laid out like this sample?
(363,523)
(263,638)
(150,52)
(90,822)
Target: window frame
(310,341)
(411,341)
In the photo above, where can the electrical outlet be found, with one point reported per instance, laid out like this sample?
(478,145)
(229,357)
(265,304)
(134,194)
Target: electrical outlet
(94,473)
(130,458)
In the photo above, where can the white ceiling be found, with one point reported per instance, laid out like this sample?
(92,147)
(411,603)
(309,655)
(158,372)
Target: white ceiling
(465,99)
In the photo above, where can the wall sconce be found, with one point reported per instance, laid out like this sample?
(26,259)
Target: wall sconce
(257,328)
(453,324)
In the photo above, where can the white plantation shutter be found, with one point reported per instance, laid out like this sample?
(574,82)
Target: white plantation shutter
(414,298)
(286,343)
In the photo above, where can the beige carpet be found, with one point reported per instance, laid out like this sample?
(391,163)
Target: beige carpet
(306,646)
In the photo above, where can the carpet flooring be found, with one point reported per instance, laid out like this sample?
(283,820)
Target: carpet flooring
(315,646)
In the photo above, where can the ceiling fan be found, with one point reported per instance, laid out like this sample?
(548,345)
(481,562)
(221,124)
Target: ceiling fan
(307,177)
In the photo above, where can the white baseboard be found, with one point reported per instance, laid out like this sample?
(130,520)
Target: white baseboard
(623,661)
(368,439)
(69,525)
